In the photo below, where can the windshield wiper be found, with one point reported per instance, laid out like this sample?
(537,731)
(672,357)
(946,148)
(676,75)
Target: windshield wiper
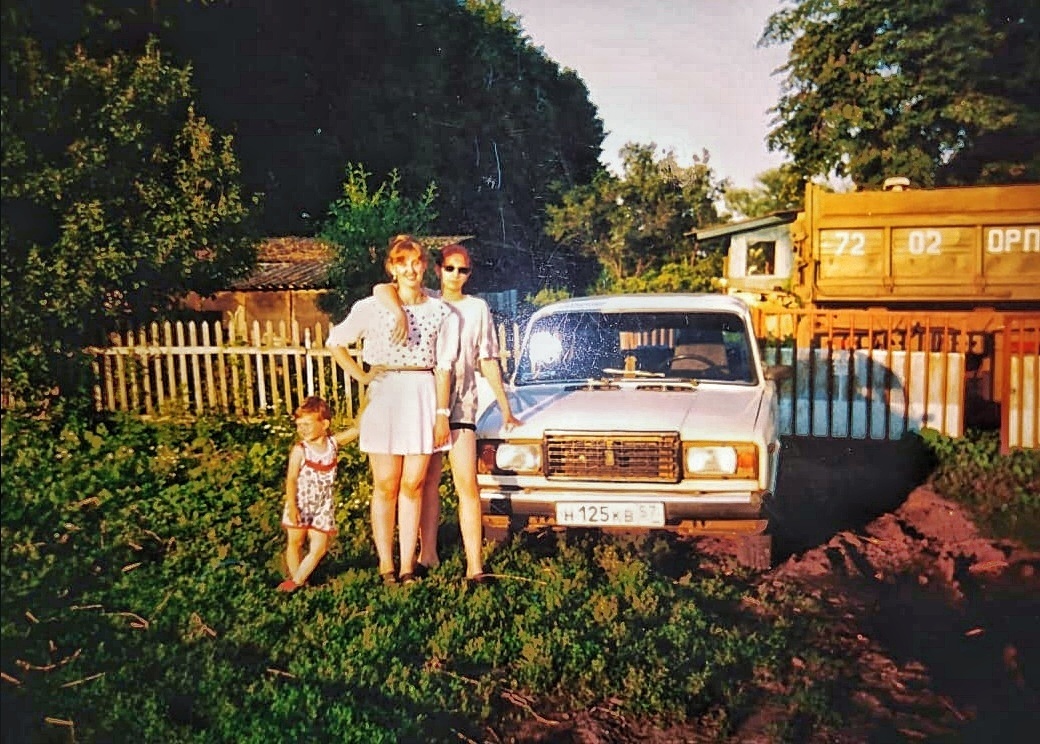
(632,372)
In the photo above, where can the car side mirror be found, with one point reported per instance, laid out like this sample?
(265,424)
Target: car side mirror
(779,372)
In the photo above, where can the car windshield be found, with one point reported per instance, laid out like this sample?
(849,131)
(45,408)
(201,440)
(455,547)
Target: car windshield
(565,346)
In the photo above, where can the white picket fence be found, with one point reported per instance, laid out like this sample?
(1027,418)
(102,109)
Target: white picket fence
(202,368)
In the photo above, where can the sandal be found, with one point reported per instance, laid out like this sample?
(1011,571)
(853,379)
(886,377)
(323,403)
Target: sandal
(480,579)
(421,570)
(389,578)
(409,578)
(288,586)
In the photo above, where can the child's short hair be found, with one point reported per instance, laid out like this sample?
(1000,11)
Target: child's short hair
(314,404)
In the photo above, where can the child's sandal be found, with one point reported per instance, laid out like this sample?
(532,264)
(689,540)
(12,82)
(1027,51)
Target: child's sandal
(288,586)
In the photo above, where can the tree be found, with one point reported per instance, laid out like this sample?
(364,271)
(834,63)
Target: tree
(699,272)
(776,190)
(639,222)
(943,91)
(360,224)
(445,92)
(118,198)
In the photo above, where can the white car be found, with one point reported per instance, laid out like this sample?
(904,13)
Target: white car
(640,412)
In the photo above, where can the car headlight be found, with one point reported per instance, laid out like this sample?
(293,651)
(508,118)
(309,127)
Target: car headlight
(509,457)
(733,460)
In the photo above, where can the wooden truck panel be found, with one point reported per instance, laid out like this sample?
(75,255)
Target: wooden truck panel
(972,244)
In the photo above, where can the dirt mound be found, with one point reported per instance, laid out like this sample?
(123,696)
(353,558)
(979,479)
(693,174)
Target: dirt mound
(940,621)
(928,534)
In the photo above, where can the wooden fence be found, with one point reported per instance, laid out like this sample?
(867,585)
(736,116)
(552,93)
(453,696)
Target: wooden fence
(856,374)
(203,368)
(1019,360)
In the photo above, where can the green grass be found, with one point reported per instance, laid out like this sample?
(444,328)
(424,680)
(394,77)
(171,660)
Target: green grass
(139,565)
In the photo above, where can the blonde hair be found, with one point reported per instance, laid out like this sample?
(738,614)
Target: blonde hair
(402,246)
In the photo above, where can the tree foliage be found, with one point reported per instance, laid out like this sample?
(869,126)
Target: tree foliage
(446,92)
(118,197)
(547,296)
(637,223)
(775,190)
(941,91)
(699,272)
(360,223)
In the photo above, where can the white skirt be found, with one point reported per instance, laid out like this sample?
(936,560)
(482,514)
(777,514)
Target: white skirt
(400,414)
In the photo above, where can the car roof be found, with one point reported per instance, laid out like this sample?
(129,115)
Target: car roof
(664,301)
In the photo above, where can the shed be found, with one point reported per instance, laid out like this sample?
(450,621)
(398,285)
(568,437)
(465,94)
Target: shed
(290,277)
(759,254)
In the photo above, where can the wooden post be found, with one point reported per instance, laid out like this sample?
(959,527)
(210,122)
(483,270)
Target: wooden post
(95,366)
(157,373)
(121,381)
(211,392)
(261,384)
(319,344)
(145,372)
(196,375)
(225,401)
(299,361)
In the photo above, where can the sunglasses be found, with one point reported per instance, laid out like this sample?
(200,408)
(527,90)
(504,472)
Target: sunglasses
(452,269)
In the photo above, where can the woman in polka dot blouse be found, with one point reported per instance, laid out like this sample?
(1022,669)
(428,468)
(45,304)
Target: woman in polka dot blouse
(405,419)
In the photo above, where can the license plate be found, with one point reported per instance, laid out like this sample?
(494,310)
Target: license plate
(610,514)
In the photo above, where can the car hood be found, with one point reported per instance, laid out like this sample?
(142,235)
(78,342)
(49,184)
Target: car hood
(706,411)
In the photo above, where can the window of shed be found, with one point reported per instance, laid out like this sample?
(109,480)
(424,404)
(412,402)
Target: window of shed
(761,258)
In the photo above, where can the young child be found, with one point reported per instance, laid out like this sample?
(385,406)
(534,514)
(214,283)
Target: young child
(309,509)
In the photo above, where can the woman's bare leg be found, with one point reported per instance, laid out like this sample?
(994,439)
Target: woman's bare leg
(463,456)
(430,519)
(386,483)
(409,507)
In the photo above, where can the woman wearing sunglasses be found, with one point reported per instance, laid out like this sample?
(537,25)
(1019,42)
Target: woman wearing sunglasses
(478,348)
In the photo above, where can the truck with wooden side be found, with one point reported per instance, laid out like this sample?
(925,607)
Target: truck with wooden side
(946,248)
(934,269)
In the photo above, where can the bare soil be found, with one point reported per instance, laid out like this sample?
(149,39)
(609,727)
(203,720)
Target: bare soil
(937,626)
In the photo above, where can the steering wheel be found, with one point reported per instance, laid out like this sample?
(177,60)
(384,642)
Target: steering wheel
(707,363)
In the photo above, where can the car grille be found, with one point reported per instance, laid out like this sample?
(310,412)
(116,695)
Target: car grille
(622,457)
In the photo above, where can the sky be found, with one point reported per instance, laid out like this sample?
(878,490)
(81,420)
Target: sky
(685,75)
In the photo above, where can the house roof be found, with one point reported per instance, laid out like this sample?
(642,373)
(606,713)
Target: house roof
(736,228)
(293,262)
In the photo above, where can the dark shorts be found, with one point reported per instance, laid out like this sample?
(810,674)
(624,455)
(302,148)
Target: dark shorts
(460,425)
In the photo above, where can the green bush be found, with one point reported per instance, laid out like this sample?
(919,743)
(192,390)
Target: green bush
(1002,490)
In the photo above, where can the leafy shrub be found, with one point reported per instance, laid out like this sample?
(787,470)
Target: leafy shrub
(1003,490)
(546,296)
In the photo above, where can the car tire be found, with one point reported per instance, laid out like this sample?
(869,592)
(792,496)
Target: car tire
(755,552)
